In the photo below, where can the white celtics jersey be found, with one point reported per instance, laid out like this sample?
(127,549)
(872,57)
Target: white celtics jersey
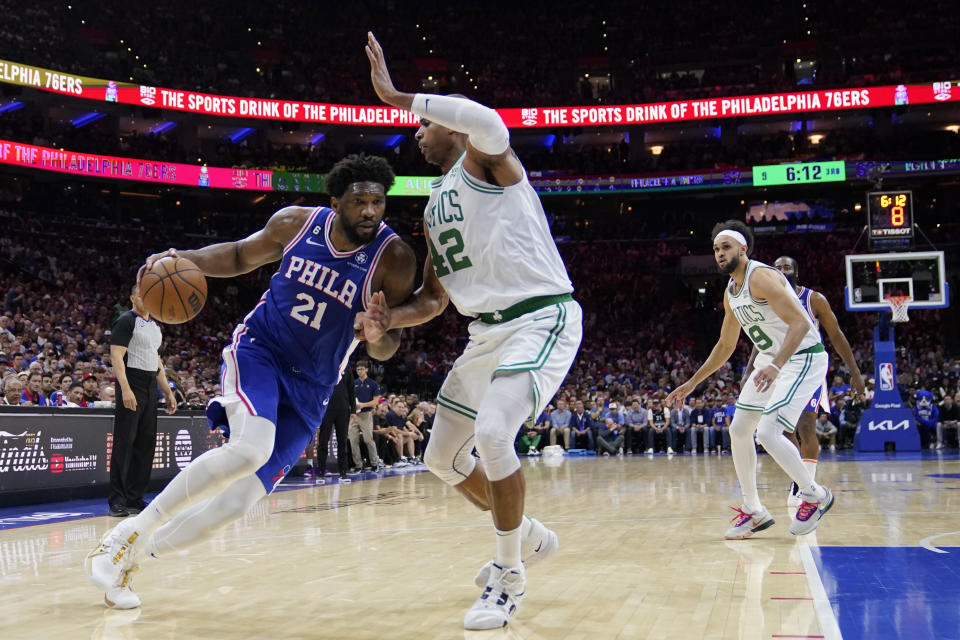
(758,320)
(491,246)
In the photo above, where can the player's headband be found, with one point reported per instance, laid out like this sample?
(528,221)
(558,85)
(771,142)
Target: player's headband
(733,235)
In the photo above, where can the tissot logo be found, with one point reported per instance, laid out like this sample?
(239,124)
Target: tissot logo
(888,425)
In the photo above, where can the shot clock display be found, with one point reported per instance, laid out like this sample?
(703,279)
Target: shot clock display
(890,215)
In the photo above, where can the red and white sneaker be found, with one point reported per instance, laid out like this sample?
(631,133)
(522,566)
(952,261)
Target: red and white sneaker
(746,523)
(810,512)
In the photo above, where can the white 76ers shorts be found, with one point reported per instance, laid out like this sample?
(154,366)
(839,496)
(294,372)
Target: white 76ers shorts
(790,393)
(543,342)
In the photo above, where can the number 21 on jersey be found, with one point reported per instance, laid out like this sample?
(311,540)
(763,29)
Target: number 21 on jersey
(300,312)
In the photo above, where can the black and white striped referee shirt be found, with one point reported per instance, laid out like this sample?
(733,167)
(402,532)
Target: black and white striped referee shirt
(142,339)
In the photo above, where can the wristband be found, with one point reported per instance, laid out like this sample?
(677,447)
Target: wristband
(775,367)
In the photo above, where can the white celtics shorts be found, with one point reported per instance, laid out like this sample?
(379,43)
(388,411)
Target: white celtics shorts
(543,342)
(790,393)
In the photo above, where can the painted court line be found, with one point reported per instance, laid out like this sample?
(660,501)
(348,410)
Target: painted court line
(789,573)
(821,603)
(926,543)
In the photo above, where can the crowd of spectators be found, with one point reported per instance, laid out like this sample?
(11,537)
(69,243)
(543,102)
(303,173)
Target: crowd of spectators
(61,280)
(631,51)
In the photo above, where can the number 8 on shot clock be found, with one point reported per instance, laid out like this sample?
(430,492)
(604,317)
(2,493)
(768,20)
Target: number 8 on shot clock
(890,217)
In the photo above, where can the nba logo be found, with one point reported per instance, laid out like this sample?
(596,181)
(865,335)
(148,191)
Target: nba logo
(886,376)
(529,117)
(941,91)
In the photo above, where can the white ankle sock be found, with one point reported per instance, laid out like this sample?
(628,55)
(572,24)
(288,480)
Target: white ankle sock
(508,547)
(811,466)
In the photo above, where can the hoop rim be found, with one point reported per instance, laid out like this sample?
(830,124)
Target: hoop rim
(899,307)
(898,301)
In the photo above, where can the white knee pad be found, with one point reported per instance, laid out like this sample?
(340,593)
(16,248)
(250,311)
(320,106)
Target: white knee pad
(495,440)
(449,453)
(251,441)
(744,424)
(769,431)
(505,407)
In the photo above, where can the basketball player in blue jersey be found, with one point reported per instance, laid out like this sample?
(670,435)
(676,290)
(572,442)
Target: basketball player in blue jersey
(818,308)
(492,256)
(282,364)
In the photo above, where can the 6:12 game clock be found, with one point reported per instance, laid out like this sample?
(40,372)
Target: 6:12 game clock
(890,214)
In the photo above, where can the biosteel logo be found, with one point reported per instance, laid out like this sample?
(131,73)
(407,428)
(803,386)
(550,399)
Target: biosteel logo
(22,452)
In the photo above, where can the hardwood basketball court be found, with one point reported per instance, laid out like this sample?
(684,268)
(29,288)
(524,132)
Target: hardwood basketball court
(641,556)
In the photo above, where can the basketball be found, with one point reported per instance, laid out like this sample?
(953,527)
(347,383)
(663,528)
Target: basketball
(174,290)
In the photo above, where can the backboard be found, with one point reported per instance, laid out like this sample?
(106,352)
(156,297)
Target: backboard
(872,277)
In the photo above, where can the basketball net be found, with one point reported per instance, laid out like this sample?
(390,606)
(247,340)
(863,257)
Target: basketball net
(899,305)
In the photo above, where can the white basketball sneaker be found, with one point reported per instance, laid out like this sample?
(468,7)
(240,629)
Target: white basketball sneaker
(122,596)
(746,523)
(535,548)
(107,565)
(499,601)
(810,511)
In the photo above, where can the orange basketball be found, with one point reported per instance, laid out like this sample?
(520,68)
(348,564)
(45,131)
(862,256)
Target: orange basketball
(174,290)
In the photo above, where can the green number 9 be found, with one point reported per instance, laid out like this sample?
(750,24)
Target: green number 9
(759,338)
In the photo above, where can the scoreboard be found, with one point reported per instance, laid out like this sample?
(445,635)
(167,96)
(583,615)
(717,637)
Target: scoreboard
(890,217)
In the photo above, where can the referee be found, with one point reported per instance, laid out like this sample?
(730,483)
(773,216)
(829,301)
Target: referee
(134,352)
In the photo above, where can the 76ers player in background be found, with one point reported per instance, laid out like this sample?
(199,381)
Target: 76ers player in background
(282,365)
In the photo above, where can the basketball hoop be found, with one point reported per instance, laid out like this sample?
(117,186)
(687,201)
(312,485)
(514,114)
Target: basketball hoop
(898,306)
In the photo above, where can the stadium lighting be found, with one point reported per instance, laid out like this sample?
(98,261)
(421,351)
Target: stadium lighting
(656,149)
(163,127)
(816,138)
(87,118)
(11,106)
(240,134)
(953,128)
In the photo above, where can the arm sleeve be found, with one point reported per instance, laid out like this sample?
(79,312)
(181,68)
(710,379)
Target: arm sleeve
(122,331)
(484,126)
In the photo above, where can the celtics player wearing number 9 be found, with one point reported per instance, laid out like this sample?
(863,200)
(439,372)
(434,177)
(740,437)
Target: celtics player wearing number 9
(492,255)
(789,368)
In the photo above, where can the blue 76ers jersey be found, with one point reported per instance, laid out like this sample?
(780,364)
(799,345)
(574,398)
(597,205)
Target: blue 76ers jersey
(306,316)
(804,296)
